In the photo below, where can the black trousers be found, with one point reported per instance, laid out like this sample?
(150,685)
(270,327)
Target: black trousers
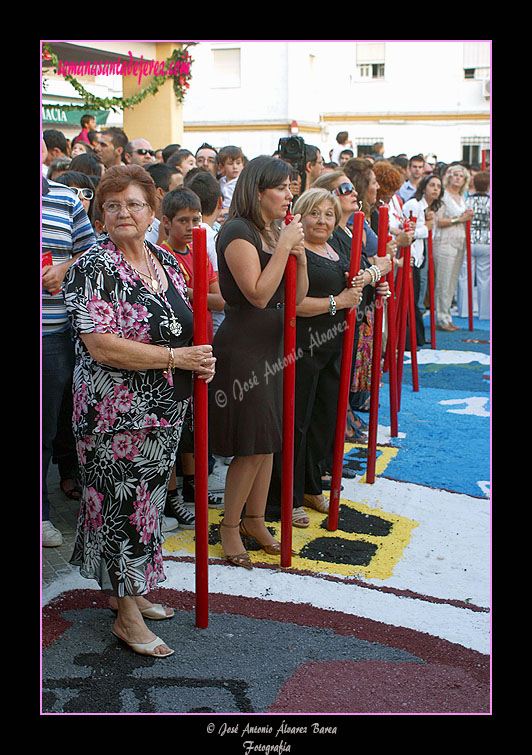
(420,327)
(316,391)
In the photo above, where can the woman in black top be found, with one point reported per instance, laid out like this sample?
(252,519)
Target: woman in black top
(319,340)
(246,395)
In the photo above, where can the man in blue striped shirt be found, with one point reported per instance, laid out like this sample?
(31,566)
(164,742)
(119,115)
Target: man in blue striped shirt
(66,233)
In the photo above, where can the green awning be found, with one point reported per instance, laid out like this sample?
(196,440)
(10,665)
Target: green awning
(53,114)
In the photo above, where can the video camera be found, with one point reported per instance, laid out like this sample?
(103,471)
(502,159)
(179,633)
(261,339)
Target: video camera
(292,151)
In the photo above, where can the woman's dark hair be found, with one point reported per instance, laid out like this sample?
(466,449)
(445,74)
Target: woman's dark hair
(80,181)
(359,171)
(75,178)
(261,173)
(437,203)
(88,163)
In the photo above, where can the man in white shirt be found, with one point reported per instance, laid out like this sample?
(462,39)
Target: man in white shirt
(416,166)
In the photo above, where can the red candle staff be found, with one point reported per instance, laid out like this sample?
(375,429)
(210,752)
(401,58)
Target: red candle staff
(201,429)
(289,377)
(391,348)
(406,313)
(431,293)
(345,377)
(469,274)
(377,349)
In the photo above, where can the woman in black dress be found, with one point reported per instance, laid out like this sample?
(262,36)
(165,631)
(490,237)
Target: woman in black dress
(319,340)
(246,396)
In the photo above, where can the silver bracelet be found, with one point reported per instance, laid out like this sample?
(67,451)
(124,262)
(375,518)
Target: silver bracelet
(375,273)
(332,305)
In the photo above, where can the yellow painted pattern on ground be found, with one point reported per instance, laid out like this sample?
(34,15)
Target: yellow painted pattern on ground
(389,547)
(382,460)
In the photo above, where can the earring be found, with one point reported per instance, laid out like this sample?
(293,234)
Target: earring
(149,229)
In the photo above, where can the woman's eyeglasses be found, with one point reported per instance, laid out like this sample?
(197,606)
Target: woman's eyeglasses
(114,207)
(344,188)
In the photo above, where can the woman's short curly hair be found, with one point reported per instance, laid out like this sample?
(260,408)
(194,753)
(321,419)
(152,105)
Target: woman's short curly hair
(389,178)
(312,198)
(119,177)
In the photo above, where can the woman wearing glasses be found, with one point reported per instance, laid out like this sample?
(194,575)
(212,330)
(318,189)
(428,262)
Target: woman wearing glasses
(132,326)
(319,337)
(342,187)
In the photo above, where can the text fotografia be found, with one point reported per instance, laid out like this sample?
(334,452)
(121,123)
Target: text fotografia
(249,730)
(121,67)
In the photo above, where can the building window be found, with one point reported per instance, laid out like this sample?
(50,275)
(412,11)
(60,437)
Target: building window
(364,146)
(476,60)
(472,148)
(370,58)
(226,68)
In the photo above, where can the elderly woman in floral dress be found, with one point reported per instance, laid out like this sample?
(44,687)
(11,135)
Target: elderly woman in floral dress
(132,326)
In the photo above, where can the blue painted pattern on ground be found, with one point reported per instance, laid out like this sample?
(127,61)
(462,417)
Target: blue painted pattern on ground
(446,424)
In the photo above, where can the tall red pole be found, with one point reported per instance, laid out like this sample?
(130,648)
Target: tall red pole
(431,293)
(201,430)
(390,352)
(469,274)
(289,377)
(377,349)
(403,309)
(345,378)
(412,332)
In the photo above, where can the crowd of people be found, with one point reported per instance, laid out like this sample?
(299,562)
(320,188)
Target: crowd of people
(117,313)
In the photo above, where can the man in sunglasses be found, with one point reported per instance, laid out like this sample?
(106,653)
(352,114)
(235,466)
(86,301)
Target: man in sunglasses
(139,152)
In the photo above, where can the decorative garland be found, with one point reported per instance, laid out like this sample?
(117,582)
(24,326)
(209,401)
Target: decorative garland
(180,62)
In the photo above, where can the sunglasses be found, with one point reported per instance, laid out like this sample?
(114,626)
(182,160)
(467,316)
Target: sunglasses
(145,152)
(83,193)
(345,188)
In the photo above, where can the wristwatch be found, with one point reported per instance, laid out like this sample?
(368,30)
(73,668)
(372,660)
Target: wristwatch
(332,305)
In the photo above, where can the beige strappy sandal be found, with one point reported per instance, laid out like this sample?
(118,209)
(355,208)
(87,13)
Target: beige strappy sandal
(300,518)
(321,505)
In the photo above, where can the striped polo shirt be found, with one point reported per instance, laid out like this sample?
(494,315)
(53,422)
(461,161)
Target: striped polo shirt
(65,231)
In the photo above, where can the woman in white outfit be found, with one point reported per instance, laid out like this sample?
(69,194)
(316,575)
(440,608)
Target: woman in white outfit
(479,202)
(450,242)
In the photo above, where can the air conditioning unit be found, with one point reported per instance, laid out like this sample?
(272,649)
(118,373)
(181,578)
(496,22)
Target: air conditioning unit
(486,88)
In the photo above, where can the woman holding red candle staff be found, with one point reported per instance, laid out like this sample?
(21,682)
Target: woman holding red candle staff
(339,184)
(423,206)
(132,326)
(246,395)
(361,173)
(319,339)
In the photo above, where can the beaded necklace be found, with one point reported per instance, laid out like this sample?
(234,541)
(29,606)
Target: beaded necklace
(157,287)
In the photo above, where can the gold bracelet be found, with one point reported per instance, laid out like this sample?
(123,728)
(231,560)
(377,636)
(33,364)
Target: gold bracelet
(171,364)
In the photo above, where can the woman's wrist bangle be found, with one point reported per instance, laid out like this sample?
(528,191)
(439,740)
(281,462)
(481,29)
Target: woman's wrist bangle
(171,363)
(375,273)
(332,305)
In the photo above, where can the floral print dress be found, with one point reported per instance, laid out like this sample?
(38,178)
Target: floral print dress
(127,423)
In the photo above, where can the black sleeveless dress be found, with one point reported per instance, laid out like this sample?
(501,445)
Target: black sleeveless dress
(246,395)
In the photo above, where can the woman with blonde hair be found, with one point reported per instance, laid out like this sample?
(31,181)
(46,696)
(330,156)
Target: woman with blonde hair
(450,242)
(319,339)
